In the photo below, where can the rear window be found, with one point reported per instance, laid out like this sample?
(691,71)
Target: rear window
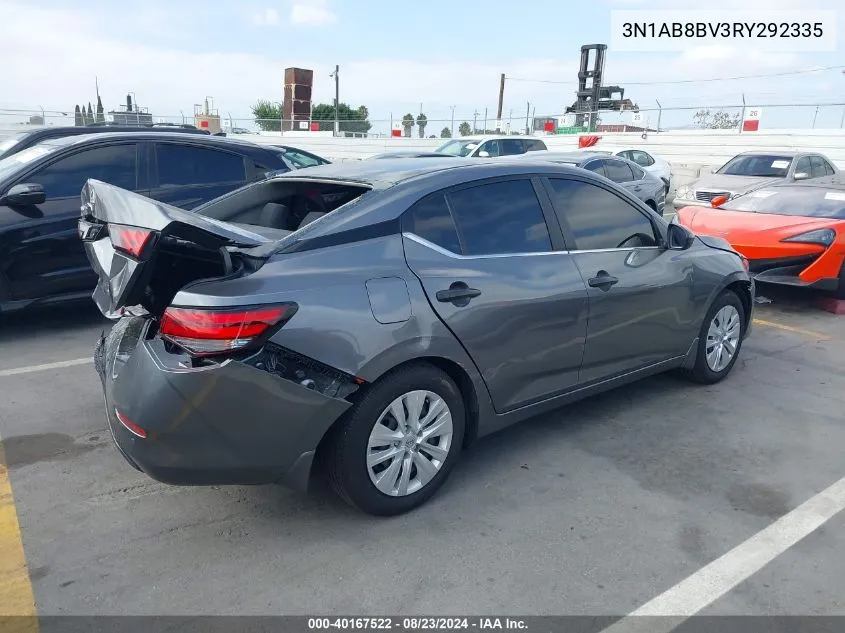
(810,202)
(757,165)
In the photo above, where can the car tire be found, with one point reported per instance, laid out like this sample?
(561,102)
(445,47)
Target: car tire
(352,445)
(723,311)
(839,293)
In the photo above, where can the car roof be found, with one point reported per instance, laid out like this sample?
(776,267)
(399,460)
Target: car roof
(80,139)
(381,174)
(789,153)
(495,137)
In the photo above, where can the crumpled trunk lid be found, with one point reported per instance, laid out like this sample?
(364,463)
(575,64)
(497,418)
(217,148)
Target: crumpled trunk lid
(181,247)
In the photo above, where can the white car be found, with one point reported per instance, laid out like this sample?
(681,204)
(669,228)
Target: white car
(491,146)
(648,161)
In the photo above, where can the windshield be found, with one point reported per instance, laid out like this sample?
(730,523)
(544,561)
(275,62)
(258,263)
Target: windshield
(15,162)
(761,165)
(9,143)
(457,148)
(809,202)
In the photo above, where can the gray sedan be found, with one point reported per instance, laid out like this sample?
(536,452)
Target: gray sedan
(642,184)
(422,305)
(751,170)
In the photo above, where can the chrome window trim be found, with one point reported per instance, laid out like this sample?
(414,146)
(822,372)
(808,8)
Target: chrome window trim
(443,251)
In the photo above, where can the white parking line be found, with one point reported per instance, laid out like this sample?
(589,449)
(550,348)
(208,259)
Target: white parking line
(711,582)
(32,368)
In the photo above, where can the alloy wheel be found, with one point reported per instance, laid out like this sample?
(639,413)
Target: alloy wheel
(409,443)
(723,338)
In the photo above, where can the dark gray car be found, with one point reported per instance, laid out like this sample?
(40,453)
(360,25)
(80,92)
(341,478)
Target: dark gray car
(644,185)
(423,305)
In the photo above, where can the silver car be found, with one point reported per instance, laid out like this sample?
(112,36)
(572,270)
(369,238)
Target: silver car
(625,173)
(750,170)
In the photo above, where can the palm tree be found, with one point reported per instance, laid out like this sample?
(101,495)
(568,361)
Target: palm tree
(408,123)
(421,123)
(464,129)
(445,133)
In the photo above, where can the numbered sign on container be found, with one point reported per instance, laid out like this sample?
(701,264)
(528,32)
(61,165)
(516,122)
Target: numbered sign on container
(397,129)
(637,118)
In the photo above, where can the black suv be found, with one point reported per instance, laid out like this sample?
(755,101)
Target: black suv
(23,140)
(41,255)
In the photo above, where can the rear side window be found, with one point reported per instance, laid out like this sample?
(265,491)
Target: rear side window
(114,164)
(180,165)
(818,165)
(501,217)
(431,220)
(534,145)
(639,174)
(641,158)
(596,166)
(618,171)
(511,147)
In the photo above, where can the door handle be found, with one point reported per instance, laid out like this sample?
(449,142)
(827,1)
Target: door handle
(602,280)
(458,293)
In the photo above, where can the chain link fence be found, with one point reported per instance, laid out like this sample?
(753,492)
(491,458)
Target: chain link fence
(656,118)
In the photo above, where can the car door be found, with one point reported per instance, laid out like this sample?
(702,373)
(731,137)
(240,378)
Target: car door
(488,256)
(640,308)
(187,175)
(41,254)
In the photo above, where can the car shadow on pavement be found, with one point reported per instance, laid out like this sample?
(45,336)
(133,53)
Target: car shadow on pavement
(65,319)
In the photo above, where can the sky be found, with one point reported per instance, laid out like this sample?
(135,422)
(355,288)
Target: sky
(393,57)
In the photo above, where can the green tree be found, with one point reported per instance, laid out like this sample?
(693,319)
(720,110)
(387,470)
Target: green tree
(268,115)
(718,120)
(350,120)
(408,123)
(464,129)
(422,120)
(77,117)
(445,133)
(101,117)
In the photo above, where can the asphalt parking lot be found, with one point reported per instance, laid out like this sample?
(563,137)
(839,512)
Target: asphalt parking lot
(595,509)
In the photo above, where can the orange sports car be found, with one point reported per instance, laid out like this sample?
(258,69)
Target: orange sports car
(791,233)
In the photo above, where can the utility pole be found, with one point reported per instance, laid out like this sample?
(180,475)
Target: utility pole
(336,75)
(527,114)
(452,129)
(474,121)
(485,120)
(501,102)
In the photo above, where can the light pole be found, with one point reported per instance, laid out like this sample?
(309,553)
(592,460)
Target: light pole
(336,75)
(452,129)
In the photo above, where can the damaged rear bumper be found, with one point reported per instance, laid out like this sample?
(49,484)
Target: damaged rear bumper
(225,423)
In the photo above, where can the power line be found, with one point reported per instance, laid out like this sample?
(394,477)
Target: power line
(688,81)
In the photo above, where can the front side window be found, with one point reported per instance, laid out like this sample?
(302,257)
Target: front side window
(114,164)
(599,219)
(431,220)
(491,147)
(802,166)
(502,217)
(181,165)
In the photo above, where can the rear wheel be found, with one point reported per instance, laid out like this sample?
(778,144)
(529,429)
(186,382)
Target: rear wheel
(720,339)
(839,293)
(397,445)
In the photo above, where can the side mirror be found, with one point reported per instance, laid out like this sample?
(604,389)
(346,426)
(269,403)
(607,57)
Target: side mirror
(679,237)
(802,175)
(713,170)
(484,154)
(24,195)
(718,201)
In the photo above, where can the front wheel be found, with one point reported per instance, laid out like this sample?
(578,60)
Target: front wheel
(397,445)
(720,339)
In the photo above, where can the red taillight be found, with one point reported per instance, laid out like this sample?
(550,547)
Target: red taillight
(130,425)
(129,239)
(203,332)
